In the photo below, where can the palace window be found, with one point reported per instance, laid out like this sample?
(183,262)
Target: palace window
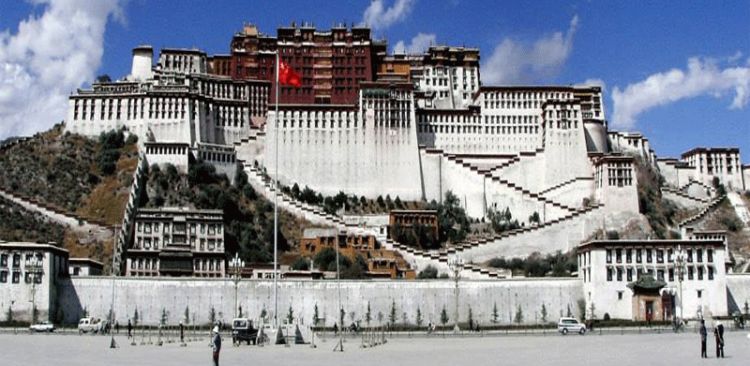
(659,256)
(690,256)
(691,270)
(671,274)
(700,273)
(699,255)
(609,274)
(609,255)
(16,277)
(630,274)
(710,273)
(3,260)
(3,277)
(628,255)
(618,255)
(619,274)
(638,256)
(710,255)
(699,293)
(649,257)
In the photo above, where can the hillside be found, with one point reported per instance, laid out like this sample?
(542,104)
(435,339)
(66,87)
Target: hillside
(18,224)
(73,175)
(247,216)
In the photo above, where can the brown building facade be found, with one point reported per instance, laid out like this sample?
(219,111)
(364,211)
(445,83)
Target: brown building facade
(331,63)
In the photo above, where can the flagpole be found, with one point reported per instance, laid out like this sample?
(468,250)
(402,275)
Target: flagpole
(275,203)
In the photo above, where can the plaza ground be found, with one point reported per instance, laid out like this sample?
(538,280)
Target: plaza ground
(593,349)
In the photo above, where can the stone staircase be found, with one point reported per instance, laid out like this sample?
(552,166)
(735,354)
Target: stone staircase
(684,195)
(495,179)
(702,213)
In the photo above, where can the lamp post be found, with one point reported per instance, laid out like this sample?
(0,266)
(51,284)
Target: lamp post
(455,264)
(112,343)
(679,258)
(236,264)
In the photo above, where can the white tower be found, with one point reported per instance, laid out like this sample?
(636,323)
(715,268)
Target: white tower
(142,62)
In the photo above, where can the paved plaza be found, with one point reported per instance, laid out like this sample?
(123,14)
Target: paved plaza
(610,350)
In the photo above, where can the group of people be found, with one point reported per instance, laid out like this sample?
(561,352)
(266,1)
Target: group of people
(718,335)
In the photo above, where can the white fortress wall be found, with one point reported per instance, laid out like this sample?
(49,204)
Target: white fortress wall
(565,152)
(150,296)
(562,236)
(738,289)
(527,172)
(571,193)
(681,200)
(370,152)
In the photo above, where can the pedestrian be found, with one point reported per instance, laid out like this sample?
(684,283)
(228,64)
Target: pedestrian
(117,327)
(719,334)
(130,329)
(216,345)
(335,328)
(704,334)
(182,333)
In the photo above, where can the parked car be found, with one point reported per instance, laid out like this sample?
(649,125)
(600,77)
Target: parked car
(565,325)
(91,325)
(44,326)
(243,331)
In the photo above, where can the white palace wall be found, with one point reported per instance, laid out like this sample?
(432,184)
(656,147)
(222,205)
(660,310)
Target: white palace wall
(150,296)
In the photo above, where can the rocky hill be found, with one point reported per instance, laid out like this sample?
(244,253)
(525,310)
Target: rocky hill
(81,178)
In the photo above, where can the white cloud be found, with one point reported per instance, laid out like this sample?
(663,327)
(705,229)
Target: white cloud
(378,17)
(703,76)
(514,62)
(593,82)
(51,55)
(420,43)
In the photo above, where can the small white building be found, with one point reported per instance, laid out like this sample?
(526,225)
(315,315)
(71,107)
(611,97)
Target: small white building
(717,162)
(85,267)
(177,241)
(30,275)
(640,279)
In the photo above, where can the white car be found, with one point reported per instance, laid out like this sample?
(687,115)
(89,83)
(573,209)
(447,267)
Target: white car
(44,326)
(90,325)
(572,325)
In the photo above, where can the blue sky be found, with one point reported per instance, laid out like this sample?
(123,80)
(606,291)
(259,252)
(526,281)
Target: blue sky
(640,51)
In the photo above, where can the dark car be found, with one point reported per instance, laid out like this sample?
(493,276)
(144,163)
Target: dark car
(243,331)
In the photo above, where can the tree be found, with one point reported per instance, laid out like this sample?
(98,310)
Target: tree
(9,315)
(380,201)
(569,314)
(582,308)
(444,317)
(135,317)
(263,313)
(239,311)
(471,318)
(380,317)
(164,316)
(212,315)
(534,218)
(404,318)
(419,317)
(103,78)
(342,315)
(494,313)
(398,202)
(429,272)
(301,264)
(290,315)
(392,315)
(187,315)
(518,319)
(544,313)
(368,314)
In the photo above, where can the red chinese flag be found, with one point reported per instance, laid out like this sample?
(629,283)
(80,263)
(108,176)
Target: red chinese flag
(287,76)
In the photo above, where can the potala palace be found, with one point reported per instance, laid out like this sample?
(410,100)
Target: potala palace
(371,124)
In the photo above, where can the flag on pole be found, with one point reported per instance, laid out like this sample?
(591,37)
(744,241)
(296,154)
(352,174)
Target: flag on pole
(287,76)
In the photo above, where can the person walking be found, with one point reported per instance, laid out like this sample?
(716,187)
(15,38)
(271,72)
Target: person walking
(130,329)
(719,334)
(704,334)
(216,345)
(117,327)
(182,333)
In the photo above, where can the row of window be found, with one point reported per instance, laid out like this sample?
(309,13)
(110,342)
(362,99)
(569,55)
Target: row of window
(659,254)
(478,129)
(700,273)
(147,227)
(527,95)
(202,245)
(15,277)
